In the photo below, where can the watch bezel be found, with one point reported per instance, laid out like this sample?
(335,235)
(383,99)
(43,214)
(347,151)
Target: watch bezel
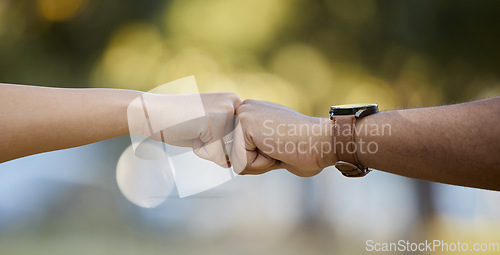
(352,109)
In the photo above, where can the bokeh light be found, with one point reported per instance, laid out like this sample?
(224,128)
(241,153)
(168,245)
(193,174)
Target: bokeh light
(144,182)
(59,10)
(243,24)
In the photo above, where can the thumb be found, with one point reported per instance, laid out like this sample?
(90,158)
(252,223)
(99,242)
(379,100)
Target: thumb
(246,158)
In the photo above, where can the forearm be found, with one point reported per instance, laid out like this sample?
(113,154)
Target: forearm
(456,144)
(38,119)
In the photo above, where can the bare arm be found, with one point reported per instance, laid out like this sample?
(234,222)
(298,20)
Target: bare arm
(454,144)
(40,119)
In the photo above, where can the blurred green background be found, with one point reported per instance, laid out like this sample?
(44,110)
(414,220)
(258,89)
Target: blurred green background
(306,55)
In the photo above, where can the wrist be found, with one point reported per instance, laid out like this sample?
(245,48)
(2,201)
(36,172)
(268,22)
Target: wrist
(111,106)
(324,138)
(346,120)
(364,143)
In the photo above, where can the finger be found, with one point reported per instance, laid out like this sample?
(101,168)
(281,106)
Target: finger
(210,151)
(228,139)
(238,155)
(246,157)
(236,103)
(262,169)
(301,172)
(222,127)
(262,162)
(211,144)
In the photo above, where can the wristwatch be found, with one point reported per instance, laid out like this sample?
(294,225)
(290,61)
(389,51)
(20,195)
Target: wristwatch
(344,144)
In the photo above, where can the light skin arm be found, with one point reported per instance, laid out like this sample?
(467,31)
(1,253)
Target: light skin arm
(454,144)
(40,119)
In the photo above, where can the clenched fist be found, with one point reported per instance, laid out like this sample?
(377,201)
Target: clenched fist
(270,136)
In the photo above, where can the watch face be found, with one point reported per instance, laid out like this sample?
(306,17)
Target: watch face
(350,109)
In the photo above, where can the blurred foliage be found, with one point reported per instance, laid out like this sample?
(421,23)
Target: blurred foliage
(303,54)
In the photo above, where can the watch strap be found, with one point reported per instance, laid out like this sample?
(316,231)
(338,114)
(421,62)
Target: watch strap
(345,146)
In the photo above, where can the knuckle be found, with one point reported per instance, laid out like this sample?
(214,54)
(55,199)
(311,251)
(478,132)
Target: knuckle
(230,96)
(249,101)
(228,108)
(233,96)
(241,109)
(243,116)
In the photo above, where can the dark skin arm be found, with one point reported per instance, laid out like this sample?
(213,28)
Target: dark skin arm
(454,144)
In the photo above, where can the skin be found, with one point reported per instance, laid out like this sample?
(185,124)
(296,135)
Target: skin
(454,144)
(265,135)
(41,119)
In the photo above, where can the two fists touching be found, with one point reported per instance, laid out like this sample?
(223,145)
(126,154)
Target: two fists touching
(252,136)
(440,144)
